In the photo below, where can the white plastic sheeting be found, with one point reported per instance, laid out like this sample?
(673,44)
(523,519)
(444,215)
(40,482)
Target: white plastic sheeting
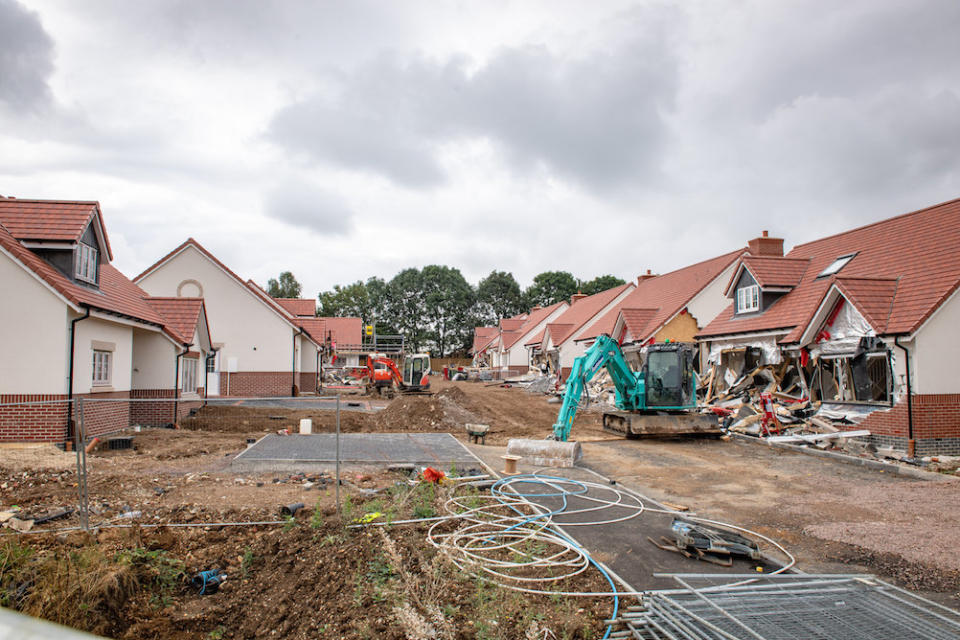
(845,333)
(767,344)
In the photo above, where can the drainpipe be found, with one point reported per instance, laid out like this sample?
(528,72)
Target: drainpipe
(293,370)
(911,443)
(73,333)
(318,384)
(176,383)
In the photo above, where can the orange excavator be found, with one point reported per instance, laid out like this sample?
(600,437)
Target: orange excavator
(382,375)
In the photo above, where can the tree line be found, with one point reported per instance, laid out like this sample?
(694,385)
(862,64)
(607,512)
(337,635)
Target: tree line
(435,308)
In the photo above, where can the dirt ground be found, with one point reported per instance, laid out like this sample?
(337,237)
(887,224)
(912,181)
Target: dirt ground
(314,579)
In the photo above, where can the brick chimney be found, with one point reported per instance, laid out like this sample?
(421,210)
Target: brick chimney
(766,246)
(536,307)
(579,295)
(645,276)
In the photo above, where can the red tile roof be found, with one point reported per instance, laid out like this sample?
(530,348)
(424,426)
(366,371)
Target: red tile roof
(316,327)
(534,318)
(668,293)
(536,339)
(302,307)
(181,315)
(347,332)
(51,220)
(582,312)
(918,249)
(482,337)
(560,331)
(638,322)
(773,271)
(116,294)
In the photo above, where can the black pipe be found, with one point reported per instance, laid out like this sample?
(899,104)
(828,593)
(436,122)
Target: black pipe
(316,385)
(293,370)
(176,383)
(73,333)
(906,355)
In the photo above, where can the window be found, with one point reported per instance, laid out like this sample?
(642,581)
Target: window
(102,365)
(836,265)
(189,375)
(212,364)
(748,298)
(86,263)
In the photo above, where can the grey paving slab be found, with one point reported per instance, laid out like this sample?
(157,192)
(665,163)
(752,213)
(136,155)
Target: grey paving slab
(281,453)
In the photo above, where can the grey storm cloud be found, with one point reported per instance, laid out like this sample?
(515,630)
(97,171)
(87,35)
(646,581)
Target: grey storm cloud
(597,119)
(310,207)
(26,58)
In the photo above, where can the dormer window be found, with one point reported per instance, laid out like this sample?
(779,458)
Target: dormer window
(836,265)
(86,263)
(748,299)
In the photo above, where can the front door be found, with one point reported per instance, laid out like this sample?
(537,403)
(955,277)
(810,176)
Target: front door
(213,375)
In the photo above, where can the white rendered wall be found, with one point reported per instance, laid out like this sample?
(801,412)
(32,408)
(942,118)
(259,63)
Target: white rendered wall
(250,331)
(154,363)
(33,334)
(519,355)
(934,363)
(707,305)
(96,329)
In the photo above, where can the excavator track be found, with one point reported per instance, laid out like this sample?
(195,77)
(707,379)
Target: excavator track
(660,424)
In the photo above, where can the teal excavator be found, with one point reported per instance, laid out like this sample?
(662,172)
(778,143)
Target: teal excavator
(660,400)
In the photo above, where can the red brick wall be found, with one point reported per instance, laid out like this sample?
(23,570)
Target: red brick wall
(103,414)
(45,421)
(308,382)
(254,384)
(934,416)
(151,414)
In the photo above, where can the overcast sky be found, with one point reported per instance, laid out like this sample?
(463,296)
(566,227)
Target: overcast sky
(342,140)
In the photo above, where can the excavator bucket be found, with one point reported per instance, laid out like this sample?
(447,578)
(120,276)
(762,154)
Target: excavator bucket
(545,453)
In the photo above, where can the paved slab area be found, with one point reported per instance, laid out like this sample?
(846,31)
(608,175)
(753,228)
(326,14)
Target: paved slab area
(319,451)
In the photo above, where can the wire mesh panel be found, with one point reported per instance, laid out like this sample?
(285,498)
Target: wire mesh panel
(790,607)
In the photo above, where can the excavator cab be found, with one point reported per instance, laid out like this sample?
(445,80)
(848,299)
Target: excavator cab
(668,376)
(416,372)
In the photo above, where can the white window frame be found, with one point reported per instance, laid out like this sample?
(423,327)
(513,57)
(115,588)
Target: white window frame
(102,368)
(86,263)
(748,298)
(188,377)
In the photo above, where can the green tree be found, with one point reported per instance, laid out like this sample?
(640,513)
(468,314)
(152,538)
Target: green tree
(286,287)
(403,304)
(446,307)
(601,283)
(498,296)
(550,287)
(352,300)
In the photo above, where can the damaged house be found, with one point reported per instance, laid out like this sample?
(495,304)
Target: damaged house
(861,325)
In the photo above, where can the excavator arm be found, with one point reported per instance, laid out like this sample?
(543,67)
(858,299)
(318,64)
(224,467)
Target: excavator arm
(604,352)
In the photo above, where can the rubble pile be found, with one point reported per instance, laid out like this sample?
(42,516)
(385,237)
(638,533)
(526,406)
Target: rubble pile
(783,402)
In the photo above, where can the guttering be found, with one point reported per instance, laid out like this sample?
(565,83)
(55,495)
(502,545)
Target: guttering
(73,333)
(176,382)
(911,443)
(293,369)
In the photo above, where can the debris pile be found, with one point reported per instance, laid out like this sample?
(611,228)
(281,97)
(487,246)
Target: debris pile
(786,402)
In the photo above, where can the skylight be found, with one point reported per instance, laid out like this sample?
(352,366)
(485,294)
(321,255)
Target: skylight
(836,265)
